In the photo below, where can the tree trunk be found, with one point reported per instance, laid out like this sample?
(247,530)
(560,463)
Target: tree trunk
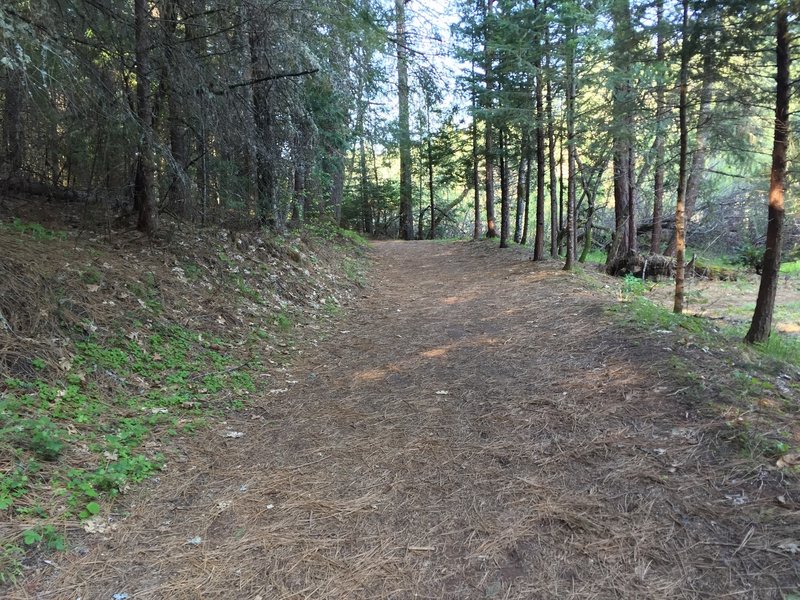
(551,146)
(505,199)
(680,242)
(406,207)
(622,128)
(697,169)
(526,222)
(538,252)
(366,208)
(571,149)
(491,230)
(431,195)
(13,139)
(761,325)
(476,173)
(520,214)
(632,241)
(144,193)
(178,131)
(661,117)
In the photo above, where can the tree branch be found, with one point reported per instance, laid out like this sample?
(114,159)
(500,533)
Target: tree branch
(273,77)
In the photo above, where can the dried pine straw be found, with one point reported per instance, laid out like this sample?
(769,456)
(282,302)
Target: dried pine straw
(561,463)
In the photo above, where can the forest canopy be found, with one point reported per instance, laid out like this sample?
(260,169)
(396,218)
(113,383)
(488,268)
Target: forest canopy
(398,118)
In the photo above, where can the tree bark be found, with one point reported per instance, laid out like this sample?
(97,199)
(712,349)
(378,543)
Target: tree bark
(144,194)
(761,325)
(621,128)
(476,173)
(661,116)
(491,230)
(505,197)
(520,214)
(697,169)
(527,208)
(406,208)
(13,133)
(571,149)
(551,146)
(680,242)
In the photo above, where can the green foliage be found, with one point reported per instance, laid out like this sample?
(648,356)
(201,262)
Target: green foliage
(326,230)
(47,535)
(246,290)
(283,321)
(596,257)
(750,256)
(353,270)
(781,347)
(40,435)
(633,286)
(36,230)
(791,269)
(91,277)
(13,485)
(10,563)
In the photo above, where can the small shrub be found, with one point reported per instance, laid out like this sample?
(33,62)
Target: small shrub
(751,257)
(10,563)
(633,286)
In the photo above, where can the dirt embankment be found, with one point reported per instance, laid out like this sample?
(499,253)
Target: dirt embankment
(479,427)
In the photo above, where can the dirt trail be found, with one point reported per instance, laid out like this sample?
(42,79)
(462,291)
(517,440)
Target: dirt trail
(478,429)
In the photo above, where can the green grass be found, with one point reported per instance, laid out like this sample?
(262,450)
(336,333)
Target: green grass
(792,269)
(731,393)
(596,257)
(164,377)
(35,230)
(781,347)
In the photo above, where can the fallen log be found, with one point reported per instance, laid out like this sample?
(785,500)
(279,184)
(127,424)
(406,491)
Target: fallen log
(50,192)
(657,265)
(641,265)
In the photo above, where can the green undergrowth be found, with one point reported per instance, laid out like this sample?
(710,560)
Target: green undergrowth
(72,447)
(752,390)
(83,421)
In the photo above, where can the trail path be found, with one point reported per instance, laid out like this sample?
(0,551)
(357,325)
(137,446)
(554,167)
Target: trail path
(481,430)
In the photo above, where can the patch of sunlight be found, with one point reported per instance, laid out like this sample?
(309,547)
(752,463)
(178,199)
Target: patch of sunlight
(436,352)
(371,375)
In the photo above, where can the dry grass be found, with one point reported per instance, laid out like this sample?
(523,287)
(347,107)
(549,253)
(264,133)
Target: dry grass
(562,462)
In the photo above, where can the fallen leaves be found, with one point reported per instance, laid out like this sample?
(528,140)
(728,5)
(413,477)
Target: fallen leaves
(788,460)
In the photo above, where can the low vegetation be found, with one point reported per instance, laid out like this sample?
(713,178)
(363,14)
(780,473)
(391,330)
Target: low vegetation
(751,390)
(111,357)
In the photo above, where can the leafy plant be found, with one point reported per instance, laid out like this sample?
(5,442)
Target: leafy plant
(751,257)
(10,563)
(633,286)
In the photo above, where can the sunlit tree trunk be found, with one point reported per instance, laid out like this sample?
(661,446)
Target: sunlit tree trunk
(761,325)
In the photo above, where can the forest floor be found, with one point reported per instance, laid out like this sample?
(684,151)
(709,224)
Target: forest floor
(481,426)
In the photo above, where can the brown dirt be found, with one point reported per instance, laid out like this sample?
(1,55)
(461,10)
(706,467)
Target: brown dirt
(565,460)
